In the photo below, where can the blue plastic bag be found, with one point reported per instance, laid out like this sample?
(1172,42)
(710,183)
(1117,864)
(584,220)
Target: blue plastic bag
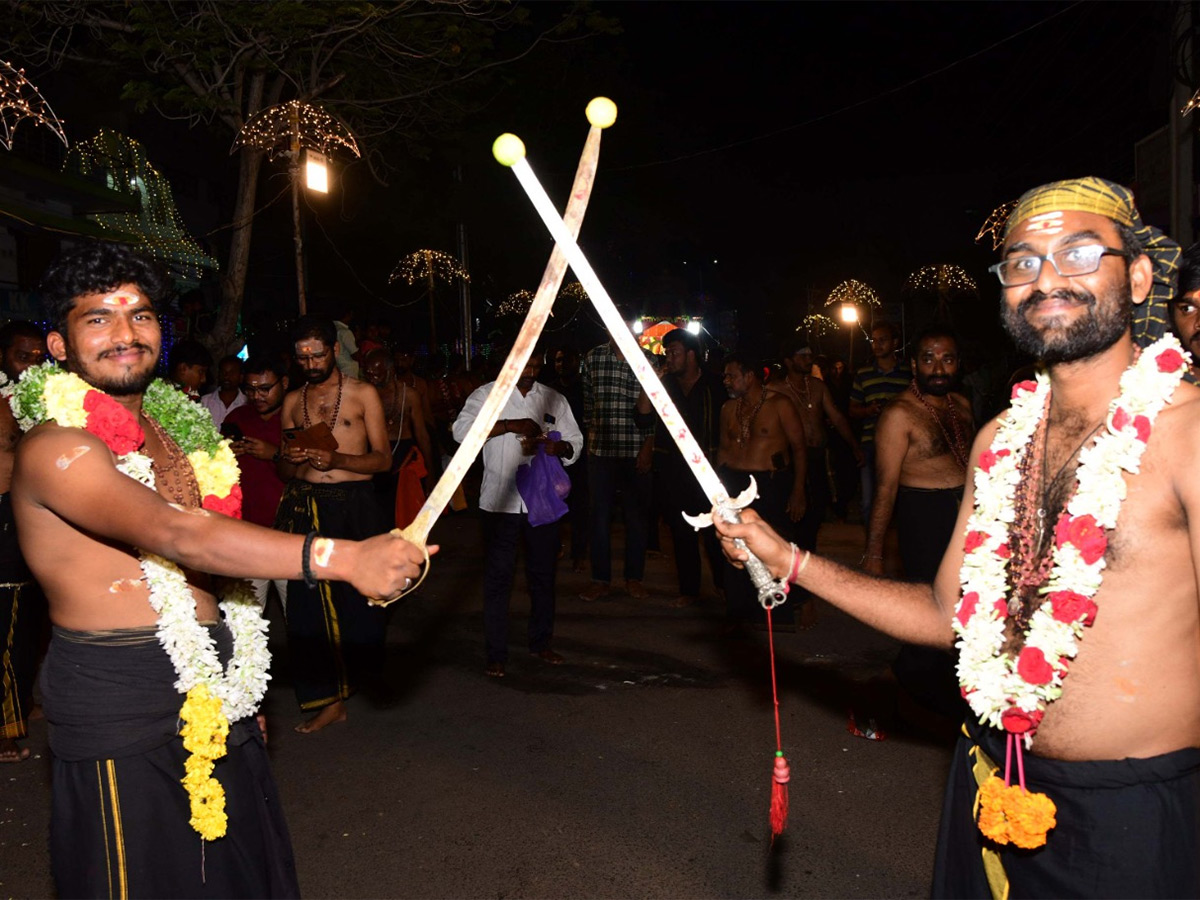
(544,485)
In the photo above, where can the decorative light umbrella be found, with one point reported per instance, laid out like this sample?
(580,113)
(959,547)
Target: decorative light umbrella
(20,100)
(286,129)
(516,304)
(946,281)
(994,226)
(430,267)
(849,295)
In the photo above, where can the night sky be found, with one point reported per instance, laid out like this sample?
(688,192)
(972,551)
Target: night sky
(801,144)
(763,153)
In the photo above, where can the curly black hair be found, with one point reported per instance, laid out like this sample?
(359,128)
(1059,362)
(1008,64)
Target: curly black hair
(97,267)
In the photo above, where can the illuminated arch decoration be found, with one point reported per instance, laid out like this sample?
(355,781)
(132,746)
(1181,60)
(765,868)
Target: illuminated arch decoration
(122,162)
(274,129)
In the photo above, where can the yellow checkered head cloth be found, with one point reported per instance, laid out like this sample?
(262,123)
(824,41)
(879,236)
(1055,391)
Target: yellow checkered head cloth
(1151,319)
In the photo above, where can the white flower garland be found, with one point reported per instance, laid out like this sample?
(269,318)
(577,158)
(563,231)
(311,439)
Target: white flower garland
(1012,692)
(189,645)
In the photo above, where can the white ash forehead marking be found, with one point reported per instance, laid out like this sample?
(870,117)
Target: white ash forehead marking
(64,461)
(1046,223)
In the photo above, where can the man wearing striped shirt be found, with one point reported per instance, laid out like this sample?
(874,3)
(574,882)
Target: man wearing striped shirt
(874,386)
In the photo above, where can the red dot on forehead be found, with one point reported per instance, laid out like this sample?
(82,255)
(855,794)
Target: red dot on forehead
(121,298)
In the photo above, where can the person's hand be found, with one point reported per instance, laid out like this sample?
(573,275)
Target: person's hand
(873,565)
(321,460)
(796,504)
(774,551)
(526,429)
(297,456)
(645,460)
(556,448)
(262,726)
(386,565)
(255,447)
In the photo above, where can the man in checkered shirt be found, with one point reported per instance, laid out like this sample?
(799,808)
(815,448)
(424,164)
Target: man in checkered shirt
(619,456)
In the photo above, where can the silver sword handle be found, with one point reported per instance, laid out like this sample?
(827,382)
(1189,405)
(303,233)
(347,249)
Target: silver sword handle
(772,591)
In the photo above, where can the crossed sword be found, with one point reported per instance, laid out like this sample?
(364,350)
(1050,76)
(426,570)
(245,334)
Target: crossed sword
(510,151)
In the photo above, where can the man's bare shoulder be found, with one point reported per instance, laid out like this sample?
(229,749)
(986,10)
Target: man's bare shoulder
(51,449)
(901,410)
(1177,428)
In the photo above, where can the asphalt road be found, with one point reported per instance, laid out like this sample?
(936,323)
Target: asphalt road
(641,768)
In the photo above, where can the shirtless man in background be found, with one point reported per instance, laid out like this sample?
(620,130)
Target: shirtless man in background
(921,445)
(120,818)
(336,638)
(762,436)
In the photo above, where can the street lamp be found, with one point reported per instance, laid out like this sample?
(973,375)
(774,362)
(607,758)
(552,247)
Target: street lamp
(849,314)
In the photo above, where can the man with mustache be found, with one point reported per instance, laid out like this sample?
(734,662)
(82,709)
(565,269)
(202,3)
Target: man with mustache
(921,444)
(1070,587)
(118,531)
(337,639)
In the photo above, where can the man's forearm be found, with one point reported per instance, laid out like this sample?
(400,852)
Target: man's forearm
(880,518)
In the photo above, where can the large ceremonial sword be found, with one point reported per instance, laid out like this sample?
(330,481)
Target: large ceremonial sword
(510,151)
(601,113)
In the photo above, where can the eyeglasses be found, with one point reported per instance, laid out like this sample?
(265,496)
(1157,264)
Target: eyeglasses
(1068,262)
(252,390)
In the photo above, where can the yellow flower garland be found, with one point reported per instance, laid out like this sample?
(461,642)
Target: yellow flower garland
(204,731)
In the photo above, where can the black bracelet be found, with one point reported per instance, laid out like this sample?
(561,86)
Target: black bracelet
(309,579)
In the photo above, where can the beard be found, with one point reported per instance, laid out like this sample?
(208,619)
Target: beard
(936,386)
(124,385)
(319,376)
(1106,320)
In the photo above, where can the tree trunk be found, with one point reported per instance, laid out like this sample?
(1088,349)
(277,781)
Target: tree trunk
(223,339)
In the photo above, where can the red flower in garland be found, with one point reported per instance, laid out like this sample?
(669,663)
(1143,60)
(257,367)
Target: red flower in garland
(1120,418)
(1032,666)
(1083,532)
(975,540)
(112,423)
(1018,721)
(989,457)
(1023,387)
(1169,360)
(1142,425)
(228,506)
(1068,606)
(966,608)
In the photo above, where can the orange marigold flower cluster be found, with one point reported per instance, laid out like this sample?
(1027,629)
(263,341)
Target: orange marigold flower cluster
(1014,815)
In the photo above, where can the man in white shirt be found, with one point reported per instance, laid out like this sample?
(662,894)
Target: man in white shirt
(533,410)
(228,395)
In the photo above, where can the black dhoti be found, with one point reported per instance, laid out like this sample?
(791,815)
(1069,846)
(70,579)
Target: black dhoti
(335,638)
(925,519)
(22,616)
(119,811)
(1126,827)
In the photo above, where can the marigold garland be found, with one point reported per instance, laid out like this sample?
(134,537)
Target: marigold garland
(214,695)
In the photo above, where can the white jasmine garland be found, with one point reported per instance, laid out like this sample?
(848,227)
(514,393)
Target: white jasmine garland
(994,683)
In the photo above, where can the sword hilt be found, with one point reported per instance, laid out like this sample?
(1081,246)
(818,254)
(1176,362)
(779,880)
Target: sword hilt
(772,591)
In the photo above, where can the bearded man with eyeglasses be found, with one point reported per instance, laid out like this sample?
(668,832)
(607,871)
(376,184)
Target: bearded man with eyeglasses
(1070,587)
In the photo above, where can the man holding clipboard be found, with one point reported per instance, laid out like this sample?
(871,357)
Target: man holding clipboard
(334,440)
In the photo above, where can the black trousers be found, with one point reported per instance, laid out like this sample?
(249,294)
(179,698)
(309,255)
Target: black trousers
(683,494)
(503,534)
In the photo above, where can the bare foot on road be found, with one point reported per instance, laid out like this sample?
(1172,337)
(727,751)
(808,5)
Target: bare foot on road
(12,752)
(334,712)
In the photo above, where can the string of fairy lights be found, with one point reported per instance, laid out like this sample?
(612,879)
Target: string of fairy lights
(515,304)
(993,226)
(817,325)
(429,267)
(156,221)
(274,129)
(943,278)
(21,100)
(853,291)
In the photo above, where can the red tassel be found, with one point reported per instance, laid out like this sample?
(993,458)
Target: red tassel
(779,795)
